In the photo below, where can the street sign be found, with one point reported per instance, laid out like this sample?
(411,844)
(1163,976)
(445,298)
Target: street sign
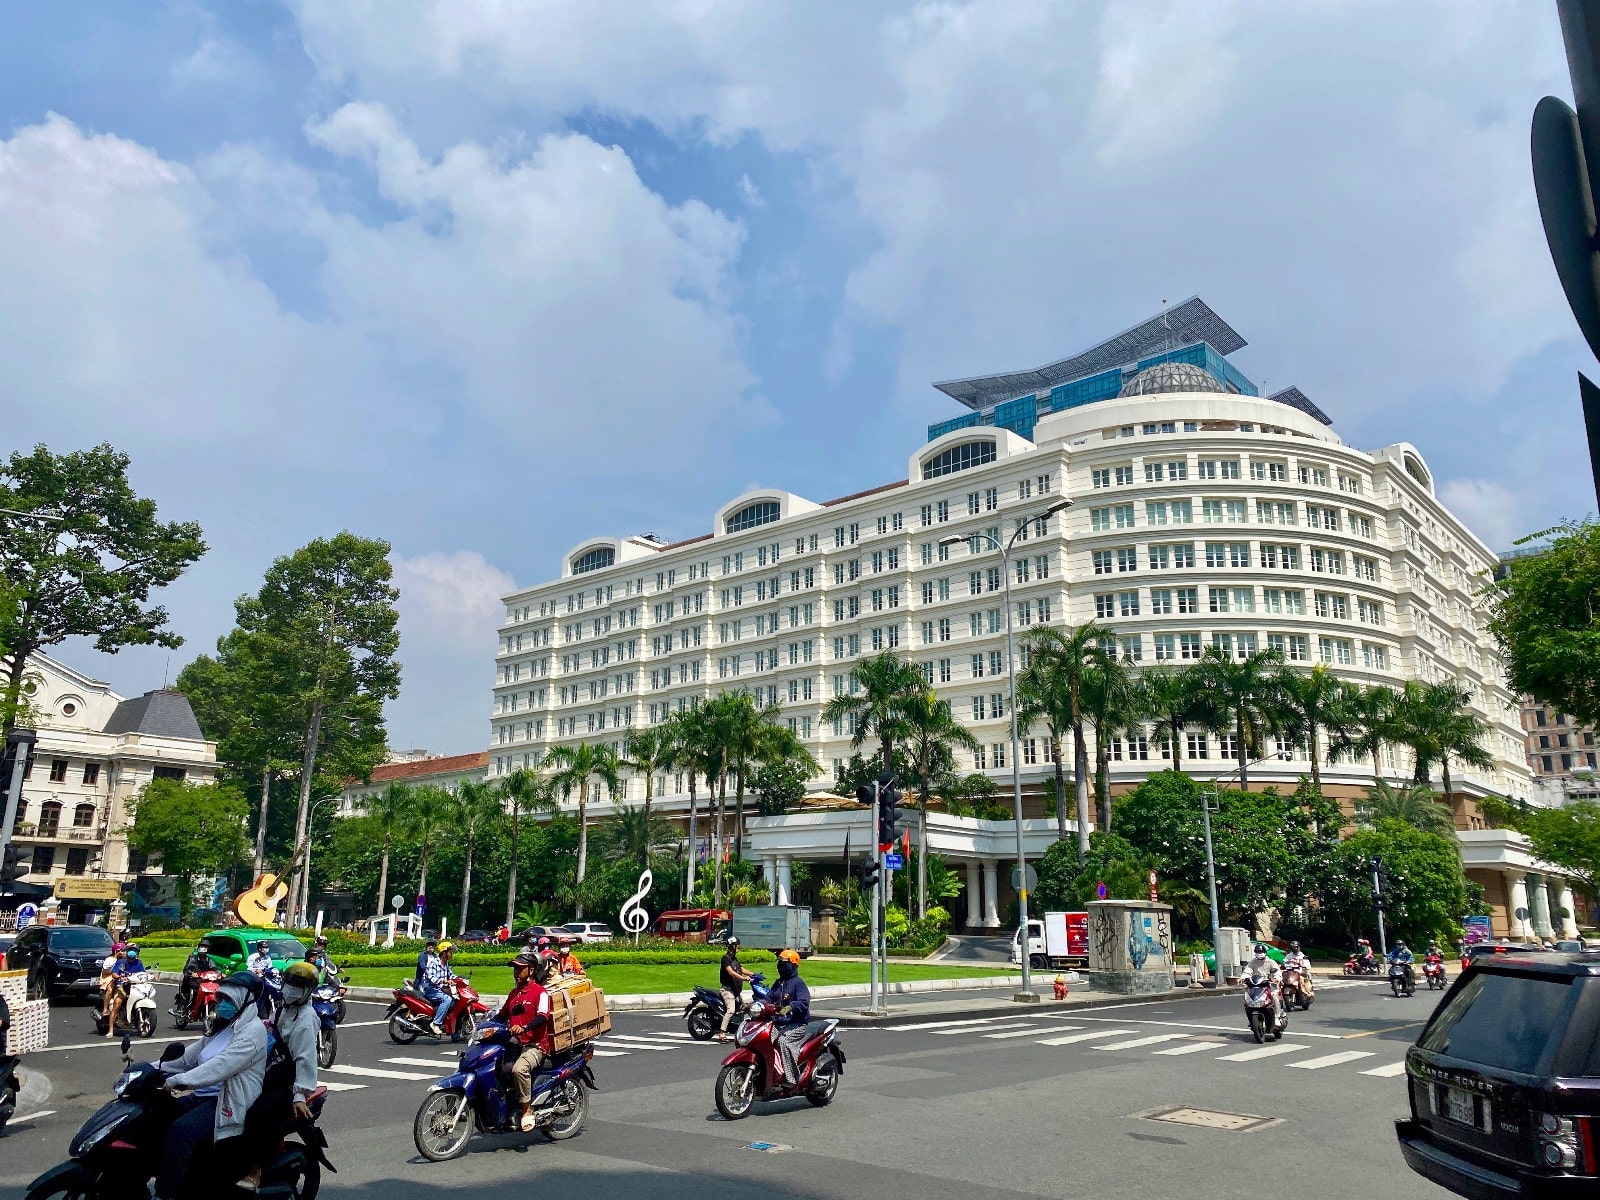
(1100,891)
(1154,895)
(397,902)
(422,904)
(25,915)
(894,861)
(1033,878)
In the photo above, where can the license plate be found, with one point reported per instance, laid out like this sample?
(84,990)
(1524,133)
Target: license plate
(1458,1106)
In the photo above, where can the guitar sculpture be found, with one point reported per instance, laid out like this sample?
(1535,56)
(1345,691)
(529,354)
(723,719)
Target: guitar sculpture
(258,904)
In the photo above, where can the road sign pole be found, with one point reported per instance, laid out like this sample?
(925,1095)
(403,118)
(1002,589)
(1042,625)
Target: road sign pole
(883,932)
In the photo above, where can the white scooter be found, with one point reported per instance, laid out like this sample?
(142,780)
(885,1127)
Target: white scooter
(1262,1009)
(138,1011)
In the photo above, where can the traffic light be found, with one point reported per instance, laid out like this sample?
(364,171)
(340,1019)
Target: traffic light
(867,793)
(11,867)
(888,809)
(18,741)
(869,874)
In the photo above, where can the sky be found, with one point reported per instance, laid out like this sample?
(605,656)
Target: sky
(485,278)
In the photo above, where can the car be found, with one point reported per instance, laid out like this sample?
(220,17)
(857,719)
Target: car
(589,931)
(534,932)
(1504,1080)
(1571,946)
(230,949)
(61,960)
(1498,946)
(475,935)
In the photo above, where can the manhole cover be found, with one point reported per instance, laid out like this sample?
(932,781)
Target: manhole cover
(1210,1118)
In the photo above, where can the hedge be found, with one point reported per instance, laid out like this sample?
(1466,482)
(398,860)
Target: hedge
(894,951)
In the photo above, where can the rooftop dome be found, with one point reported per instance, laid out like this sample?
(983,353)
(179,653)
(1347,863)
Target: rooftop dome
(1170,377)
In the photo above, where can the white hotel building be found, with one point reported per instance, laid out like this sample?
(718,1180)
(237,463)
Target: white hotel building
(1203,514)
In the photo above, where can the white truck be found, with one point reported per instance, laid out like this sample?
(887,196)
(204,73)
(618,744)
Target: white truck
(773,927)
(1060,940)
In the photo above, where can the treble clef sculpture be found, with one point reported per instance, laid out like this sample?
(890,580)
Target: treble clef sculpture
(634,918)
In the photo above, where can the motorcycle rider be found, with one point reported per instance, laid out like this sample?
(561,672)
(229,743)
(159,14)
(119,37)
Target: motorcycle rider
(526,1015)
(566,961)
(127,965)
(438,987)
(109,970)
(1402,954)
(296,1026)
(317,956)
(215,1082)
(1262,964)
(259,963)
(734,977)
(199,961)
(793,1000)
(1363,954)
(1296,960)
(429,952)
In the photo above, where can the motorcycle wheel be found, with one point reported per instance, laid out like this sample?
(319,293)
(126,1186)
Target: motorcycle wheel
(306,1183)
(146,1022)
(443,1125)
(702,1025)
(8,1104)
(571,1100)
(736,1090)
(1258,1026)
(1394,986)
(401,1032)
(61,1193)
(824,1081)
(327,1047)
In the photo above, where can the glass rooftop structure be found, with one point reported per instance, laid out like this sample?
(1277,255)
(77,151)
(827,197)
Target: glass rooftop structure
(1189,333)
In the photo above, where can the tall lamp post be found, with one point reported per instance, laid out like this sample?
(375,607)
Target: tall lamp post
(1208,801)
(1005,548)
(304,899)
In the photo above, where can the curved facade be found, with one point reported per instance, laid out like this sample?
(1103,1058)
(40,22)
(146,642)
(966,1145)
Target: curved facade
(1198,519)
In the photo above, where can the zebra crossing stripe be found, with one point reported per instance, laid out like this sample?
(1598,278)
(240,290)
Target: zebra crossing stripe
(1388,1072)
(610,1053)
(412,1062)
(1082,1037)
(1023,1031)
(333,1085)
(376,1073)
(1192,1048)
(1144,1041)
(1013,1024)
(1331,1060)
(1263,1052)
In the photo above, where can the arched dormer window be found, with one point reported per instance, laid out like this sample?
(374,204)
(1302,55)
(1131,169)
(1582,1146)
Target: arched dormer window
(762,512)
(961,457)
(594,560)
(1417,472)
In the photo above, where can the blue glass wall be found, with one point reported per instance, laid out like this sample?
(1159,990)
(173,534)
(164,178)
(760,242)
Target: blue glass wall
(954,423)
(1103,386)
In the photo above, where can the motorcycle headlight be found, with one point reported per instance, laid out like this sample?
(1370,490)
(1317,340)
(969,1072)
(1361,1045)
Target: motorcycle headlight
(123,1081)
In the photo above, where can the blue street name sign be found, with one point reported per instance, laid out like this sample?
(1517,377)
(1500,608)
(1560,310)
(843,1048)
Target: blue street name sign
(894,861)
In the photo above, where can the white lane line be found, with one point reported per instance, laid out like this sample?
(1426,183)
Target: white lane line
(1081,1037)
(1332,1060)
(111,1042)
(1012,1024)
(412,1062)
(1191,1048)
(375,1073)
(1144,1041)
(361,1024)
(333,1085)
(632,1046)
(1239,1028)
(1022,1031)
(610,1053)
(1388,1072)
(631,1039)
(1261,1052)
(929,1025)
(34,1116)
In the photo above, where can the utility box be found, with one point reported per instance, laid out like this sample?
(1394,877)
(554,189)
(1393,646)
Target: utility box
(1233,951)
(773,927)
(1130,946)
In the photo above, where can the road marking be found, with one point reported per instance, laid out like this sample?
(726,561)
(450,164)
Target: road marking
(1390,1029)
(633,1042)
(375,1073)
(1262,1052)
(611,1054)
(1081,1037)
(412,1062)
(109,1042)
(928,1025)
(1337,1037)
(632,1045)
(1022,1031)
(34,1116)
(1012,1023)
(1144,1041)
(333,1085)
(1332,1060)
(1388,1072)
(362,1024)
(1191,1048)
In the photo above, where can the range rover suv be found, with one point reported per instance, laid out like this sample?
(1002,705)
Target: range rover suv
(1504,1081)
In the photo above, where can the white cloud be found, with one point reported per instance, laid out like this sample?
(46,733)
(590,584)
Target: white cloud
(1489,508)
(454,594)
(750,193)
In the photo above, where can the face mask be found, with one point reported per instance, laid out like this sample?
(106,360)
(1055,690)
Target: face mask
(227,1010)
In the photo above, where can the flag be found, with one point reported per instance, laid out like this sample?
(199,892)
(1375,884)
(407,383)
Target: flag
(847,846)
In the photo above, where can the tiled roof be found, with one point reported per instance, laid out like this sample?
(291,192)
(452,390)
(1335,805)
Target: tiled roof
(422,768)
(159,713)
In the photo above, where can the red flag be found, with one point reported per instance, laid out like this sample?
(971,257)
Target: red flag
(906,841)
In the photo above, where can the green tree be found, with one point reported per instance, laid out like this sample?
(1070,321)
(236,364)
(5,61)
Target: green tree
(1568,836)
(1425,894)
(576,768)
(1170,700)
(1067,883)
(89,571)
(646,750)
(193,829)
(387,810)
(880,687)
(1368,723)
(1239,696)
(1415,804)
(635,838)
(1050,689)
(429,817)
(478,810)
(779,787)
(1432,720)
(524,791)
(973,795)
(1545,614)
(1311,704)
(1111,704)
(933,735)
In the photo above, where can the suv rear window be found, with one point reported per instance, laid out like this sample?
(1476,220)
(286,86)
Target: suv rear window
(1501,1021)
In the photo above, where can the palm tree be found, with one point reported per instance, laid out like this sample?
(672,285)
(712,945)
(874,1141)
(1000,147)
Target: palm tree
(477,807)
(885,682)
(646,750)
(932,737)
(524,791)
(1311,703)
(1417,804)
(749,738)
(1432,721)
(1168,699)
(1051,689)
(388,808)
(686,731)
(633,835)
(1237,696)
(429,812)
(1110,703)
(575,768)
(718,721)
(1368,723)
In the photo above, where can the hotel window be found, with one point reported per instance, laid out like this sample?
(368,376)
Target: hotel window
(1124,476)
(999,751)
(1099,519)
(1044,484)
(1132,648)
(1128,604)
(1374,658)
(1275,512)
(1244,600)
(1100,477)
(1188,600)
(1160,557)
(1183,556)
(979,709)
(1189,646)
(1274,556)
(1024,489)
(1361,526)
(1182,512)
(1366,568)
(927,514)
(1369,611)
(991,499)
(1104,605)
(1217,599)
(977,666)
(1317,476)
(1161,602)
(1199,745)
(1334,650)
(972,504)
(1166,647)
(944,629)
(1128,559)
(1155,512)
(1349,483)
(1123,513)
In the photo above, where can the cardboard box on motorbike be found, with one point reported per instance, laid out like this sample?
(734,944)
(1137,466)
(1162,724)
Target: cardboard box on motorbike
(578,1011)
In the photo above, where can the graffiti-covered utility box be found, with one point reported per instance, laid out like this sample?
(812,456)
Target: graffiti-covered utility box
(1130,946)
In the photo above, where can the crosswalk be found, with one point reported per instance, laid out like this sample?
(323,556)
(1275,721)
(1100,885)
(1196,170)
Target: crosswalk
(1297,1050)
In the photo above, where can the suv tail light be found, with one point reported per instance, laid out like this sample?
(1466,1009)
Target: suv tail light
(1566,1143)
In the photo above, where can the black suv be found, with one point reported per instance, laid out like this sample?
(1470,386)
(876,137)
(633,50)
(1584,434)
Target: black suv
(1504,1081)
(61,960)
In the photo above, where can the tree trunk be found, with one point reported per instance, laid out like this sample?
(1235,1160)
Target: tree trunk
(716,849)
(1177,745)
(1377,767)
(261,820)
(694,847)
(888,754)
(1243,752)
(422,881)
(466,885)
(583,844)
(383,876)
(1316,767)
(1061,787)
(308,763)
(922,856)
(1080,788)
(738,819)
(1444,767)
(511,883)
(1102,783)
(19,662)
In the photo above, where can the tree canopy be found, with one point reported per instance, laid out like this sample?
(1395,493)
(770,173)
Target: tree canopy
(1568,836)
(193,829)
(1546,617)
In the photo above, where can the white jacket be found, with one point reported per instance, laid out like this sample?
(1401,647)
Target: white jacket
(239,1067)
(297,1026)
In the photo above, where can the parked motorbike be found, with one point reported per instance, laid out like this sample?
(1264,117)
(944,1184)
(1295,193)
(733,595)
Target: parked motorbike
(704,1012)
(196,1007)
(477,1097)
(411,1013)
(754,1070)
(137,1012)
(325,1002)
(1402,980)
(10,1085)
(1266,1016)
(1362,965)
(1297,991)
(1433,971)
(118,1149)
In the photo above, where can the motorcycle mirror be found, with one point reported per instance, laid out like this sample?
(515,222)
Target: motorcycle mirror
(173,1051)
(126,1043)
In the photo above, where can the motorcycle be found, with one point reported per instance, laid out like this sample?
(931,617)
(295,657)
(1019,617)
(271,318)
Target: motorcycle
(1402,982)
(1266,1016)
(196,1007)
(411,1014)
(476,1097)
(704,1012)
(325,1001)
(137,1011)
(1433,971)
(10,1085)
(1297,991)
(118,1149)
(754,1070)
(1361,965)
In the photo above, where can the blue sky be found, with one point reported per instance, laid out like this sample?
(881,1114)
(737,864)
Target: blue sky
(485,279)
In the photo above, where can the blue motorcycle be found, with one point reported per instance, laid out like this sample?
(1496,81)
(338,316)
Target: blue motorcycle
(705,1008)
(325,1002)
(478,1097)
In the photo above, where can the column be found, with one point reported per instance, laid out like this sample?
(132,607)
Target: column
(991,894)
(974,894)
(769,872)
(780,894)
(1539,906)
(1569,923)
(1518,916)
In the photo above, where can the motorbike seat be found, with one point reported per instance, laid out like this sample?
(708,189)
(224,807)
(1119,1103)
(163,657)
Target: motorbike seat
(815,1029)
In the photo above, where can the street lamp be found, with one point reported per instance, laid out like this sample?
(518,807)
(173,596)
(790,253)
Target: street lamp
(1209,797)
(304,899)
(1016,760)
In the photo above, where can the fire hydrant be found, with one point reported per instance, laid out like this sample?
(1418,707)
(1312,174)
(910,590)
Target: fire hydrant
(1061,987)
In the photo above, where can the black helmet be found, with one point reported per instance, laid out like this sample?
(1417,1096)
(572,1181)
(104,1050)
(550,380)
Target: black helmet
(261,947)
(1295,946)
(732,940)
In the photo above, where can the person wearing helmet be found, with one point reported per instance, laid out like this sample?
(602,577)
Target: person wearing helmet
(793,1000)
(296,1027)
(317,956)
(566,961)
(1297,958)
(526,1016)
(259,963)
(214,1082)
(438,987)
(112,971)
(734,977)
(1401,955)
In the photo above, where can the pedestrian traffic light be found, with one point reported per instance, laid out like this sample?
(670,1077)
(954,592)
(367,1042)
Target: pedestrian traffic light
(869,874)
(888,810)
(11,868)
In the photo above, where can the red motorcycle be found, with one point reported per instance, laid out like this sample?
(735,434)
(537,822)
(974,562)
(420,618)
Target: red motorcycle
(1364,964)
(754,1070)
(411,1014)
(1433,972)
(201,1001)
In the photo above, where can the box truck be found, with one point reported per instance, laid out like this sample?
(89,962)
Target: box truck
(1060,940)
(773,927)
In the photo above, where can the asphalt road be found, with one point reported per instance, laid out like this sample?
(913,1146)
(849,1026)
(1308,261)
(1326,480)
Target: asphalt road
(1031,1104)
